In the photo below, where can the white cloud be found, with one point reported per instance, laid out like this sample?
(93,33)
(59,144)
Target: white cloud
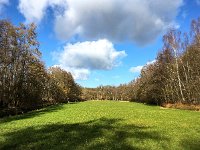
(151,62)
(3,3)
(35,10)
(78,73)
(138,69)
(117,20)
(81,58)
(133,20)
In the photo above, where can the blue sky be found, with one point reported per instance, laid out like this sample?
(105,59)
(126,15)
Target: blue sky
(102,42)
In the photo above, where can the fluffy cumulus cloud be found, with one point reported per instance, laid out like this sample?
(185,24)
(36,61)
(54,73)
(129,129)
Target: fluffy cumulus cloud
(3,3)
(35,10)
(134,20)
(117,20)
(138,69)
(81,58)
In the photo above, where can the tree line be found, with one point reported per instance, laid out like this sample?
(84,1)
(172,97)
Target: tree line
(25,82)
(123,92)
(173,78)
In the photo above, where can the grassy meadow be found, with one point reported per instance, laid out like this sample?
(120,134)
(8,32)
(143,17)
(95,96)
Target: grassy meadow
(102,125)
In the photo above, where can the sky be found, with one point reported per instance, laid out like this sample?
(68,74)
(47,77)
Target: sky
(101,42)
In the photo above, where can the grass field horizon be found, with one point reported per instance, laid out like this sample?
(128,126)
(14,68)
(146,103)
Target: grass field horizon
(102,125)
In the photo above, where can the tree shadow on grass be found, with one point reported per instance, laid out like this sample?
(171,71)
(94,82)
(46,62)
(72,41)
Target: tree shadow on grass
(92,135)
(33,113)
(191,143)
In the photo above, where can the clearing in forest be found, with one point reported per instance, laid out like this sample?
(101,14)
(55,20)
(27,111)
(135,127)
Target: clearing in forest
(102,125)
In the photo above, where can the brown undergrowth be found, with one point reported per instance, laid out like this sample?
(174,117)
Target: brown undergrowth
(182,106)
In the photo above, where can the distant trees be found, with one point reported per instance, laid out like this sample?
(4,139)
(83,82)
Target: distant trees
(24,81)
(124,92)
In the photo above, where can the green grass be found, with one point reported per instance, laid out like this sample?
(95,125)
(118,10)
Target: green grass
(97,125)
